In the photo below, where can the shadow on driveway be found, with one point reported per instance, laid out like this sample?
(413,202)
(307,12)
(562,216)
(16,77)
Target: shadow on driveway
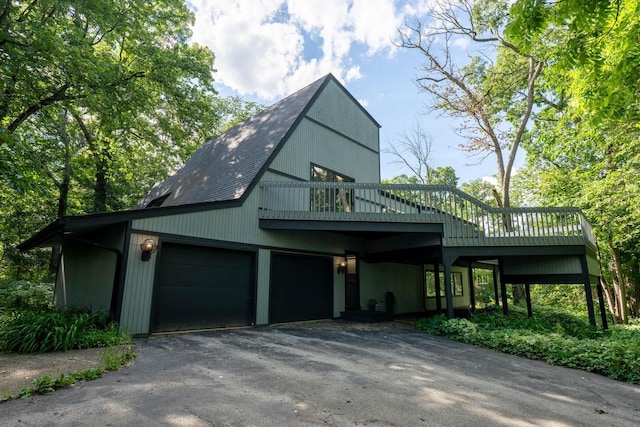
(330,373)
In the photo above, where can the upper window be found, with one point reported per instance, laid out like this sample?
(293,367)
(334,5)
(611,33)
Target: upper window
(318,173)
(330,198)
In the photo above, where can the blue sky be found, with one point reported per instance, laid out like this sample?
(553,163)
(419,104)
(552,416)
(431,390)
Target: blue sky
(267,49)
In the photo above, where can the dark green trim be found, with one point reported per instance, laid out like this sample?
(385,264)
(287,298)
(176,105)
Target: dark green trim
(49,235)
(286,175)
(117,313)
(349,226)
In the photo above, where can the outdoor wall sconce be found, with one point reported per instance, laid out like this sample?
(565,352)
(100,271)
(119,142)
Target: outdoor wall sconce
(148,247)
(342,267)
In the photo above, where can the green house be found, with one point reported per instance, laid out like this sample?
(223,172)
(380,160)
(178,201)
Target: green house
(283,218)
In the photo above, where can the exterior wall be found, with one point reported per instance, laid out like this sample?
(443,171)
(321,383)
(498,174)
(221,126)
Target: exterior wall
(313,143)
(138,288)
(405,281)
(540,265)
(86,273)
(335,109)
(241,225)
(459,301)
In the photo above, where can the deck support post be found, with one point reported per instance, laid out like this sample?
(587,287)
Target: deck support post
(436,277)
(472,290)
(587,290)
(603,311)
(527,292)
(495,286)
(503,290)
(447,262)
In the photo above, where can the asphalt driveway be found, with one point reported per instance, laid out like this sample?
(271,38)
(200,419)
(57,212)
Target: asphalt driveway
(330,373)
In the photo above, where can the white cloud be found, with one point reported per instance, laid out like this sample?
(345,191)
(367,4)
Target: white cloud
(270,48)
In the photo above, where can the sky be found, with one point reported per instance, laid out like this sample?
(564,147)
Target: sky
(268,49)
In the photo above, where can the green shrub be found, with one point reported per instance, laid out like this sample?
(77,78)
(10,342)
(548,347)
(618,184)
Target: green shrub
(557,337)
(20,294)
(38,331)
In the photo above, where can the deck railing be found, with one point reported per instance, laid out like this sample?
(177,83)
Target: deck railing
(466,221)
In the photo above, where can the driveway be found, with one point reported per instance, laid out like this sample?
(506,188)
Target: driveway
(330,373)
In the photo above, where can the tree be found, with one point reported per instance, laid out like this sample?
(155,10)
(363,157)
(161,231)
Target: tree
(585,139)
(99,100)
(413,151)
(494,98)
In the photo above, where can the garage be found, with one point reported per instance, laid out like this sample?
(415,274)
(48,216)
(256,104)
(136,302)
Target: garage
(201,287)
(301,288)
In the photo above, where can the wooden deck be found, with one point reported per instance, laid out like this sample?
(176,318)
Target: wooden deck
(465,221)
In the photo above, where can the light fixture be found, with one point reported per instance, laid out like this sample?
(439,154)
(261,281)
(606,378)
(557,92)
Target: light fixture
(342,267)
(148,247)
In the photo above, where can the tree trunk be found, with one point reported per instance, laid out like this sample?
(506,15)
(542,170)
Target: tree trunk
(619,284)
(635,279)
(100,188)
(610,299)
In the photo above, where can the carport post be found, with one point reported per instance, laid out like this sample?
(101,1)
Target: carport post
(527,292)
(495,286)
(587,290)
(448,261)
(447,289)
(436,277)
(503,290)
(472,290)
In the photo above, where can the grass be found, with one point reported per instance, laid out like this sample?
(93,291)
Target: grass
(114,360)
(551,335)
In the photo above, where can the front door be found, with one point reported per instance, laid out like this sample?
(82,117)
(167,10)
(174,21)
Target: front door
(352,283)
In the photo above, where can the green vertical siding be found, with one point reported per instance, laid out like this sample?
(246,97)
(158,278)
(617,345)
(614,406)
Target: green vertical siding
(540,265)
(138,288)
(313,143)
(335,109)
(262,291)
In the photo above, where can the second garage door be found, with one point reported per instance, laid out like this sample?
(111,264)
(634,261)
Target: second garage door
(301,288)
(200,287)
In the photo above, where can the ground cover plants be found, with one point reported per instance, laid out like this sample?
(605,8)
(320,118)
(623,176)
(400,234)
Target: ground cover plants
(30,324)
(552,335)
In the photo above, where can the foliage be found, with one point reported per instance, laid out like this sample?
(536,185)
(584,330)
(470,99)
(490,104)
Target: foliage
(98,101)
(584,143)
(19,294)
(555,336)
(114,359)
(491,93)
(39,331)
(47,384)
(117,357)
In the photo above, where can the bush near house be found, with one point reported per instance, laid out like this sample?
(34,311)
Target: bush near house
(30,324)
(554,336)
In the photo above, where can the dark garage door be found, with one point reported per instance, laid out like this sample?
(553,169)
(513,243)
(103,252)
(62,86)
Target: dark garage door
(201,287)
(301,288)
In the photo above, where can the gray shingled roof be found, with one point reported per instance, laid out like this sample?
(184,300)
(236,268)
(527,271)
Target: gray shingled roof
(224,167)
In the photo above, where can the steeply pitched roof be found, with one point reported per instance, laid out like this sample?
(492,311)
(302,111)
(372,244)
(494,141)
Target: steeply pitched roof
(224,167)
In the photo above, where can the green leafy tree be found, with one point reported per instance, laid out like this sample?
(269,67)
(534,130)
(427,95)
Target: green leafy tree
(493,93)
(98,100)
(585,141)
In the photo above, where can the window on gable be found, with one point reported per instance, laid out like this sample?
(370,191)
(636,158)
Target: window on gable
(333,198)
(157,202)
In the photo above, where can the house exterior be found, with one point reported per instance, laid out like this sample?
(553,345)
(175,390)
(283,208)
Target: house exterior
(283,218)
